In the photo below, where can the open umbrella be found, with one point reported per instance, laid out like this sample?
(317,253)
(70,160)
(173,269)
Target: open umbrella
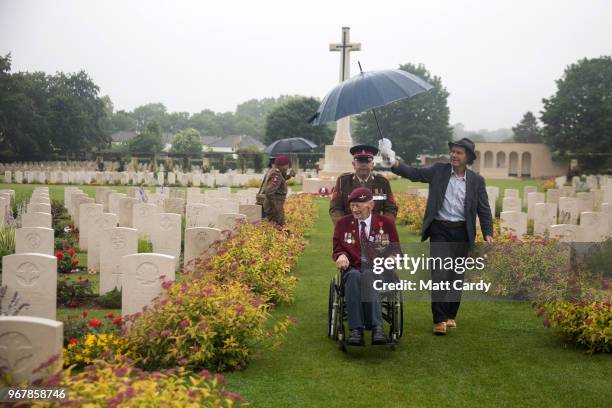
(367,91)
(290,145)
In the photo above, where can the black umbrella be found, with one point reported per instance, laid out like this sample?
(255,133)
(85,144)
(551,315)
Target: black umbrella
(290,145)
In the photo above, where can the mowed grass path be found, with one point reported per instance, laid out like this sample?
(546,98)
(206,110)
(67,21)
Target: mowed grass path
(501,355)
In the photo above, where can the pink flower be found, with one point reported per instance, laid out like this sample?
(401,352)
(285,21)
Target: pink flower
(184,323)
(206,374)
(165,333)
(239,309)
(183,361)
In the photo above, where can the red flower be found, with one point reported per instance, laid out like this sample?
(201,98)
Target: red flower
(85,313)
(75,262)
(110,315)
(94,323)
(59,255)
(73,303)
(73,341)
(71,252)
(117,321)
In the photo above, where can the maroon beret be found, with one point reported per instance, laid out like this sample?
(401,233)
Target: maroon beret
(360,195)
(281,160)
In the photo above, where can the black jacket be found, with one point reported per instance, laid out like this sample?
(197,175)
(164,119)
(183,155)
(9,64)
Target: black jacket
(438,175)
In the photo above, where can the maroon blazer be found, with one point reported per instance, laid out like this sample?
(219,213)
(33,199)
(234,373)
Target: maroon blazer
(348,224)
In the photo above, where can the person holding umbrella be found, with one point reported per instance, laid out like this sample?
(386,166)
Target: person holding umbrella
(275,190)
(456,196)
(363,163)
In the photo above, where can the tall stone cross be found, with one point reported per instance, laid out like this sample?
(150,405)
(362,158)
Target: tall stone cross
(343,129)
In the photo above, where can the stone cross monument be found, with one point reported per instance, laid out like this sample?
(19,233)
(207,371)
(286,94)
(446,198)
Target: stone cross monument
(337,157)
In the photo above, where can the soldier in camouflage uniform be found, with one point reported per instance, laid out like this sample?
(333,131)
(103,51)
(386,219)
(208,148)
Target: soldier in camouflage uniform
(275,190)
(363,163)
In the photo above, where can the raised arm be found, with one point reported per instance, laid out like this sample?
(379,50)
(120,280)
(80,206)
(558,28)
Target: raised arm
(423,174)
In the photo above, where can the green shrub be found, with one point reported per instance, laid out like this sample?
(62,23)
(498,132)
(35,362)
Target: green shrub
(118,383)
(201,323)
(71,293)
(144,246)
(586,324)
(110,300)
(7,242)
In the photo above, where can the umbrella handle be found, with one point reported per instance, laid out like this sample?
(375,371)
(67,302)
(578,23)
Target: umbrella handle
(377,124)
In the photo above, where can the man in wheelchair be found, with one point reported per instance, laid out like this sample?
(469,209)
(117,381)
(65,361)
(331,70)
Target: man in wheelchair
(356,260)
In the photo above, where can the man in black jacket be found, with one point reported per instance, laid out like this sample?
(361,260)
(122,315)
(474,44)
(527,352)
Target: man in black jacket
(456,196)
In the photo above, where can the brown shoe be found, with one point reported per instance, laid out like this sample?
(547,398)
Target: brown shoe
(451,324)
(439,329)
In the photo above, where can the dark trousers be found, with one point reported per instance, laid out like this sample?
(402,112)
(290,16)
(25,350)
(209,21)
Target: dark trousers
(446,242)
(362,303)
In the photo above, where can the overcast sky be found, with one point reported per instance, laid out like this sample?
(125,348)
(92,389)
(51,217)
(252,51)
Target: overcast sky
(498,59)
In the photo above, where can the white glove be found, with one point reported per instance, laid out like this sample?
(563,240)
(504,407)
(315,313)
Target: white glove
(388,155)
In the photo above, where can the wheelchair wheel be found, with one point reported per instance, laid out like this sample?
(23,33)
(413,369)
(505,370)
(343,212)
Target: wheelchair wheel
(330,309)
(396,324)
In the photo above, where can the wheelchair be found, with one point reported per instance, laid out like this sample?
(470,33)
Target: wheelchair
(392,306)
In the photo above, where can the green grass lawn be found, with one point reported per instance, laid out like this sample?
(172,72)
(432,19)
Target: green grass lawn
(500,355)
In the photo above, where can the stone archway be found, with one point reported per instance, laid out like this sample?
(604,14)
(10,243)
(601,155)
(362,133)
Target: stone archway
(526,164)
(488,160)
(513,164)
(501,160)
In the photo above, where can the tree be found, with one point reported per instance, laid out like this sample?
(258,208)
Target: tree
(187,141)
(291,120)
(148,141)
(42,115)
(527,130)
(415,125)
(256,111)
(151,112)
(578,117)
(122,120)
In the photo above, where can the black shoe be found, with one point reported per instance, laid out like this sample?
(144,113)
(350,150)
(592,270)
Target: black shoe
(356,338)
(378,336)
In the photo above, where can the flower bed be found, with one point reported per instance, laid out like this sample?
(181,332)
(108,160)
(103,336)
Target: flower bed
(588,324)
(118,383)
(411,211)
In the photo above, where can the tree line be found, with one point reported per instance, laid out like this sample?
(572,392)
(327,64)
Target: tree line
(44,115)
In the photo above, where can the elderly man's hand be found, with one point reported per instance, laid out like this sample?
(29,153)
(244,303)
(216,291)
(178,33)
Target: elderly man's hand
(342,262)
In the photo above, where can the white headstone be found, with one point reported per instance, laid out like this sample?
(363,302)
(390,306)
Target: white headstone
(595,225)
(532,199)
(514,221)
(87,213)
(566,232)
(252,211)
(511,204)
(100,222)
(166,235)
(526,191)
(34,277)
(27,342)
(229,221)
(34,240)
(115,243)
(143,275)
(143,214)
(126,211)
(568,210)
(36,219)
(544,215)
(197,243)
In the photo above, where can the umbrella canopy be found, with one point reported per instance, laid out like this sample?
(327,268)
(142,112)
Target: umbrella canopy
(290,145)
(366,91)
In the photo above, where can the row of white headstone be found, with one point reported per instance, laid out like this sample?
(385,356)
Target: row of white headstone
(132,178)
(30,339)
(32,270)
(560,212)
